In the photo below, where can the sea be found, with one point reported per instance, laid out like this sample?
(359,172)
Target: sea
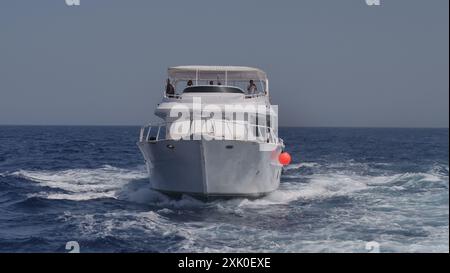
(346,190)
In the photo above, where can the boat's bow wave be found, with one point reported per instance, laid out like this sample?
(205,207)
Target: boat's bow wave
(131,185)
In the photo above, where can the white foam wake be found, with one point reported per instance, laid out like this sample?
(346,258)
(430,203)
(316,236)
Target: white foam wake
(327,185)
(296,166)
(104,182)
(109,181)
(83,184)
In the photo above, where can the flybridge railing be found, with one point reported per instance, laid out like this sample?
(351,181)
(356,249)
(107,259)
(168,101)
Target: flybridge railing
(246,96)
(254,95)
(161,131)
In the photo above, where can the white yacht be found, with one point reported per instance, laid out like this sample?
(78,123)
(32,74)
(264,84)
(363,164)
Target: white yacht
(218,136)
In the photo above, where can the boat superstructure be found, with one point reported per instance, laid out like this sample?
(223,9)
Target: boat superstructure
(218,136)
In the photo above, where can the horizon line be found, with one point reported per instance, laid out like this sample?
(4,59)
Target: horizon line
(281,126)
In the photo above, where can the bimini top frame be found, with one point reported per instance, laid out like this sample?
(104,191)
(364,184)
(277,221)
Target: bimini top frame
(226,74)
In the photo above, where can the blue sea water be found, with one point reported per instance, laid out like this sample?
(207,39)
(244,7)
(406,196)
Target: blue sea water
(345,187)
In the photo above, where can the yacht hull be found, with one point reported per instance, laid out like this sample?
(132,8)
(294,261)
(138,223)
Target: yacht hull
(214,168)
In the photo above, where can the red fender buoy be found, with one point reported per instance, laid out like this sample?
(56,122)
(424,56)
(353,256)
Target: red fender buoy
(284,158)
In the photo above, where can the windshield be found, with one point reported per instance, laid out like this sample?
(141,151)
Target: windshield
(212,89)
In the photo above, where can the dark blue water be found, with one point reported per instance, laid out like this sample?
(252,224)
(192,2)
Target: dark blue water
(346,187)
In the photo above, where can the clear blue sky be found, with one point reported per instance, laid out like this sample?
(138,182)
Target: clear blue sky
(331,63)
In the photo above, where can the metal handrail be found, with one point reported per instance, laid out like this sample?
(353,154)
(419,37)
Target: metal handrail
(246,95)
(255,95)
(270,137)
(172,96)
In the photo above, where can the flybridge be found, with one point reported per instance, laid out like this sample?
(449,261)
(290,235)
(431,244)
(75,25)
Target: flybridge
(227,75)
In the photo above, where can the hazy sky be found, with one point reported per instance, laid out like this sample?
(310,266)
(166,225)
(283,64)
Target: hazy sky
(330,63)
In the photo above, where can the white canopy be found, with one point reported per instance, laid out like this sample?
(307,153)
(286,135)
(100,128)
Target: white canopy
(227,73)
